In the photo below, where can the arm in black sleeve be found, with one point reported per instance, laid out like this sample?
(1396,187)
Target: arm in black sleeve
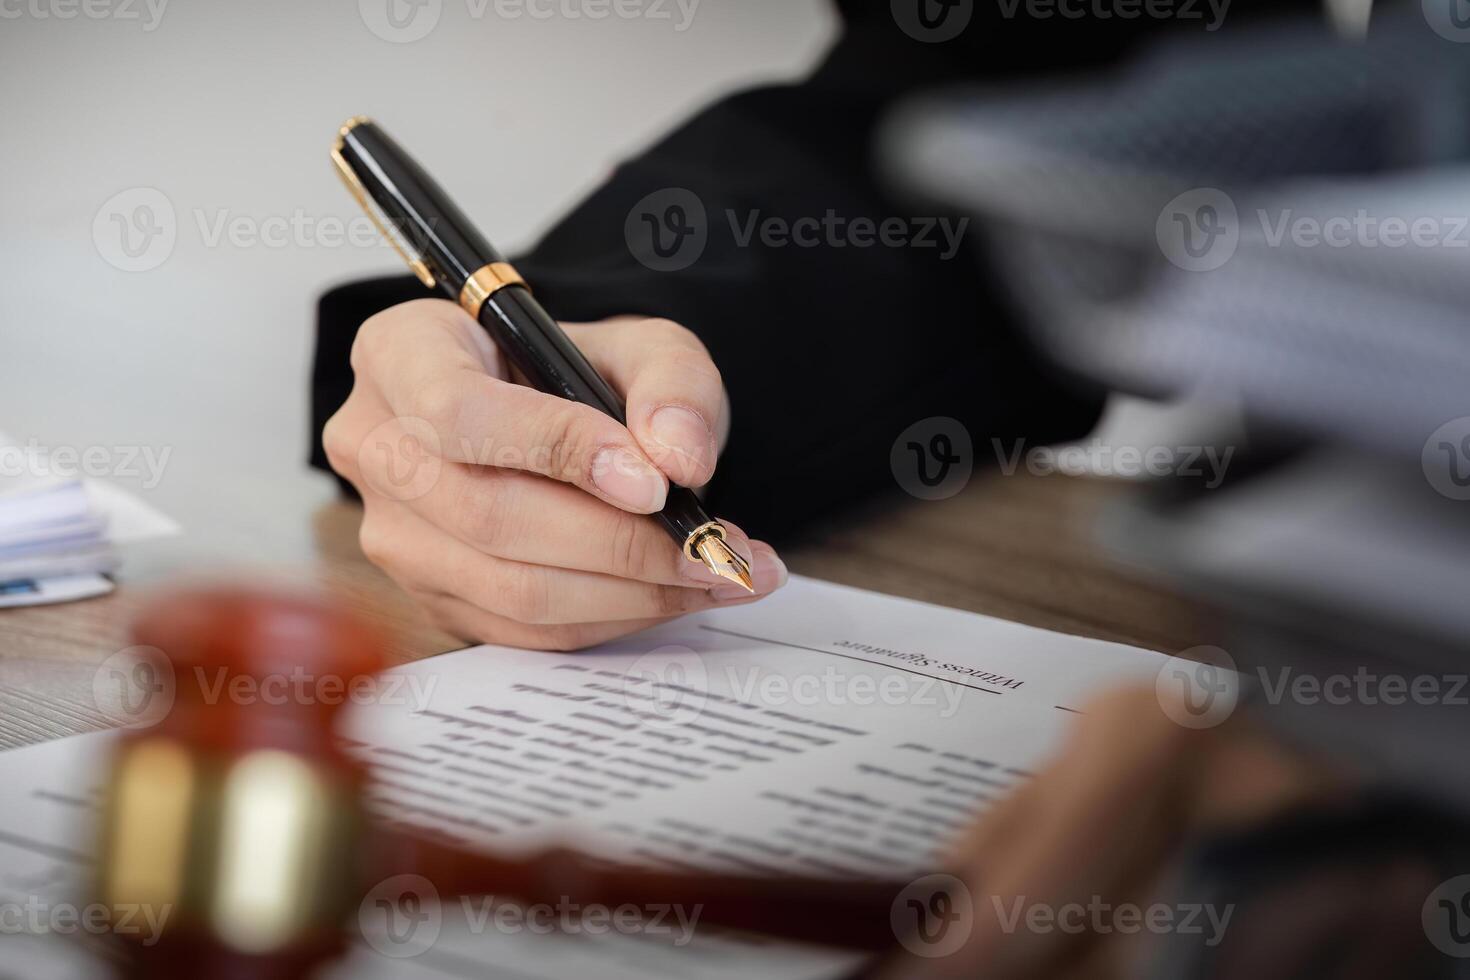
(829,351)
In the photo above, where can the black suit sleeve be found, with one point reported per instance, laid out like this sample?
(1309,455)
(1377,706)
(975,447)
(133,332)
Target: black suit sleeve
(828,351)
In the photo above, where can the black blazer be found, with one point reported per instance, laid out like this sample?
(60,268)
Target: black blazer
(912,332)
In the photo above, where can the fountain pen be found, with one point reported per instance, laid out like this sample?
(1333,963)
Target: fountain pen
(448,253)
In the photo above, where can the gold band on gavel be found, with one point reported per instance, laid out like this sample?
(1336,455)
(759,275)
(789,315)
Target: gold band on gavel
(485,282)
(255,851)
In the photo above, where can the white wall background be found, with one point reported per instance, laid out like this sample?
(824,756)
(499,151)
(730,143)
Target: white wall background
(228,109)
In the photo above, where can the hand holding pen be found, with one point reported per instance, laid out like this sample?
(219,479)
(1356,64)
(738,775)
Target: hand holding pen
(516,516)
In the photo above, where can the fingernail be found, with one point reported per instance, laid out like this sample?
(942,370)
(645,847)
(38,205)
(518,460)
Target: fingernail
(629,481)
(682,431)
(767,572)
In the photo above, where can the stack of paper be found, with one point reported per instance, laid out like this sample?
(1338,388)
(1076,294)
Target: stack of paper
(822,731)
(58,531)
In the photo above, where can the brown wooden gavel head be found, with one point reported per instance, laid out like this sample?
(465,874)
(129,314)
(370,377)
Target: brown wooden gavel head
(234,817)
(237,821)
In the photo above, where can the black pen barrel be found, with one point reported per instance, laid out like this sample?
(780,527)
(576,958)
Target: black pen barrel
(420,210)
(537,346)
(447,251)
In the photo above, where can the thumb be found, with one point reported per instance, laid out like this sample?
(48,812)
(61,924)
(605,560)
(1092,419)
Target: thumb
(676,403)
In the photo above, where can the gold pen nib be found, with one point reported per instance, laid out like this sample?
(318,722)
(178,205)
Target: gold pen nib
(719,558)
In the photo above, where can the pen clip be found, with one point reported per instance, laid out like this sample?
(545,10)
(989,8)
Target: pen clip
(390,231)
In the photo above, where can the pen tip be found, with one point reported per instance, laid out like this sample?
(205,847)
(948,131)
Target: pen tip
(719,558)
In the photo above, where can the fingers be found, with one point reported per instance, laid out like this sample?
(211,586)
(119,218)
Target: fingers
(525,518)
(1092,823)
(511,514)
(427,361)
(676,404)
(422,557)
(452,460)
(1101,821)
(475,625)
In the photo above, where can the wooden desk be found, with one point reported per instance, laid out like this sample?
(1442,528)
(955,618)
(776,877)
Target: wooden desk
(1016,547)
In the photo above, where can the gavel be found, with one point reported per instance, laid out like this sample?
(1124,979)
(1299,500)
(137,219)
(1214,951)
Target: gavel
(243,819)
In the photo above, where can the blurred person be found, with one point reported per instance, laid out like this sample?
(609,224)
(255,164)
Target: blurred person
(768,375)
(772,355)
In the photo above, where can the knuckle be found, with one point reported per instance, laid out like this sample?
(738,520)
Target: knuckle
(442,617)
(633,551)
(563,449)
(681,347)
(374,541)
(675,600)
(368,346)
(438,312)
(1131,720)
(697,367)
(379,333)
(483,508)
(437,402)
(528,595)
(338,444)
(564,638)
(669,331)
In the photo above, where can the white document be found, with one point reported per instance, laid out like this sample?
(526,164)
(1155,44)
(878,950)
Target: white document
(46,591)
(59,531)
(824,730)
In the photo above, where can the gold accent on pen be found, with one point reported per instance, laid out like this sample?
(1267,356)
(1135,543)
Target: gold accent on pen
(706,544)
(485,282)
(354,185)
(349,126)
